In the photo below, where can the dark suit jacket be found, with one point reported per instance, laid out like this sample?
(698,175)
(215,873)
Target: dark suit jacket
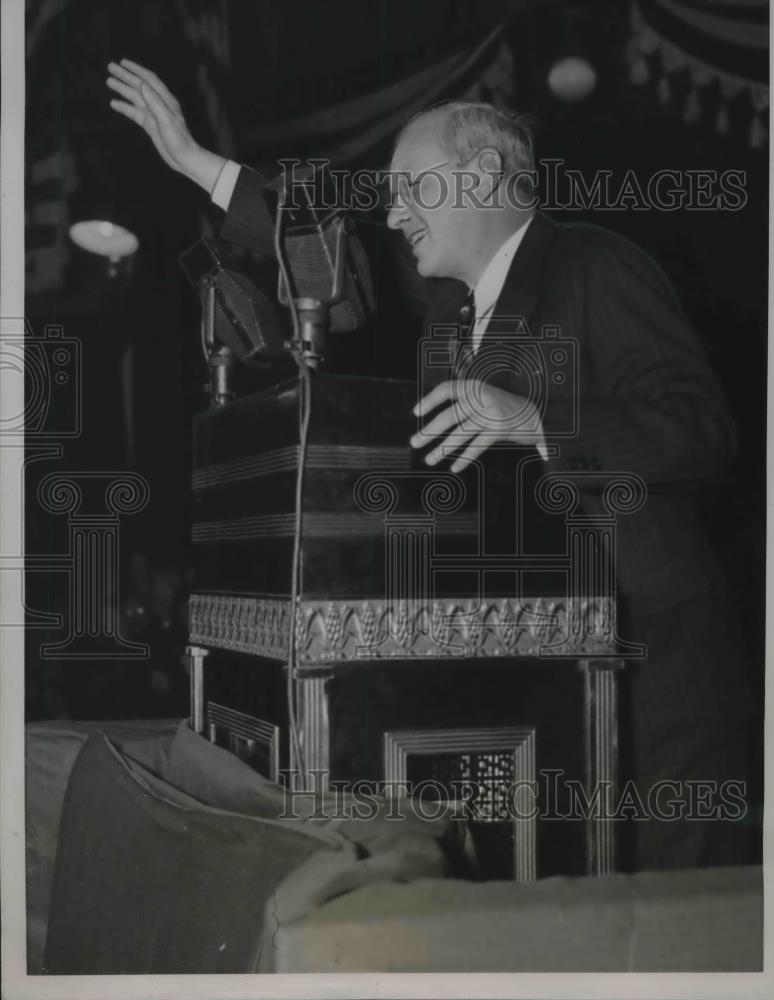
(645,396)
(646,399)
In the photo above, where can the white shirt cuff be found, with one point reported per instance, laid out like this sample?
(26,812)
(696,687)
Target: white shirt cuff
(225,184)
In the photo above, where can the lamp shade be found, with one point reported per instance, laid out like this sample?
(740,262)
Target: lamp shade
(105,238)
(104,233)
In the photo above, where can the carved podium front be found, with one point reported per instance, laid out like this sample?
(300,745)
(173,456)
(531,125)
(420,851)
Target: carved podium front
(441,639)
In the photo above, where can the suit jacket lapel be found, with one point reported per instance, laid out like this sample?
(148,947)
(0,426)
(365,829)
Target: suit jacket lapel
(508,351)
(518,298)
(521,290)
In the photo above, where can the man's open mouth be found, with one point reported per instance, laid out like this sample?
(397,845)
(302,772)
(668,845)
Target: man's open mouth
(414,238)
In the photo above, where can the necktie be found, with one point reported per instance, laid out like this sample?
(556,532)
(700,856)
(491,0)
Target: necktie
(467,318)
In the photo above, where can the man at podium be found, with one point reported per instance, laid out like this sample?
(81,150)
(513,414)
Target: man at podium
(645,402)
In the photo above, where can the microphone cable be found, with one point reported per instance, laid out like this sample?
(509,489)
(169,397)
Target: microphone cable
(304,407)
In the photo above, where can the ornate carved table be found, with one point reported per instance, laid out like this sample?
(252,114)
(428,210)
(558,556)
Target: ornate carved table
(425,656)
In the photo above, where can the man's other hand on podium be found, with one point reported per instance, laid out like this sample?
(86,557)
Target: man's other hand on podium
(477,415)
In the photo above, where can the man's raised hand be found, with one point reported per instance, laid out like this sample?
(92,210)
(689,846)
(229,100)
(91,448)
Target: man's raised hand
(145,100)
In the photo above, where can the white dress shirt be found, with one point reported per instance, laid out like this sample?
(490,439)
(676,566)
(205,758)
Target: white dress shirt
(225,184)
(490,284)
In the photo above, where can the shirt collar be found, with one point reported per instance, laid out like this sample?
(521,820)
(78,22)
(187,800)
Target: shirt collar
(491,282)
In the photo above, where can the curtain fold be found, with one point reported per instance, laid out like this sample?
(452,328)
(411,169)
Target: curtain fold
(349,130)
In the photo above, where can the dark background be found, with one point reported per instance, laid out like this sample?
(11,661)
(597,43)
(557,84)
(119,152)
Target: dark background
(285,61)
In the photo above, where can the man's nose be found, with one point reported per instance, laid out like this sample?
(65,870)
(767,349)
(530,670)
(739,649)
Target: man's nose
(398,213)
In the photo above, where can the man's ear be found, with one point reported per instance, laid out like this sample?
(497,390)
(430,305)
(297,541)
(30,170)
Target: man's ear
(490,163)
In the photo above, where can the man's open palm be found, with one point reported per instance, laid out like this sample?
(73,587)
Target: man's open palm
(146,101)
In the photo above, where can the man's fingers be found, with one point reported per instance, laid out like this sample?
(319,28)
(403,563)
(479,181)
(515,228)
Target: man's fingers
(145,101)
(121,73)
(146,121)
(127,91)
(452,442)
(438,425)
(144,74)
(129,111)
(143,82)
(477,447)
(157,107)
(157,85)
(441,394)
(139,93)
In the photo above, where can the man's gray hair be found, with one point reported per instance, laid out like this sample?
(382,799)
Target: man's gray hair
(465,128)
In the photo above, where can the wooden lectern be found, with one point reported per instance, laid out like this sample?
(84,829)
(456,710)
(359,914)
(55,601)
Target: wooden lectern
(450,631)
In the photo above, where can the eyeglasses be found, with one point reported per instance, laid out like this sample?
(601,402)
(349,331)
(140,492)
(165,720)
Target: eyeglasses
(401,185)
(408,189)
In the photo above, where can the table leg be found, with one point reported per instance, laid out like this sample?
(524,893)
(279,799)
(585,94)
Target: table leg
(601,729)
(313,729)
(195,657)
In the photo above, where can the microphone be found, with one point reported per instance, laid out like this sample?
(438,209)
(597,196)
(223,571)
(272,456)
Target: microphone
(325,259)
(243,318)
(327,262)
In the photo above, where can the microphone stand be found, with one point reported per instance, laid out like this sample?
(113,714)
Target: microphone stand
(313,324)
(310,324)
(220,359)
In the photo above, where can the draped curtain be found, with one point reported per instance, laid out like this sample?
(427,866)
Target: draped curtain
(709,56)
(353,129)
